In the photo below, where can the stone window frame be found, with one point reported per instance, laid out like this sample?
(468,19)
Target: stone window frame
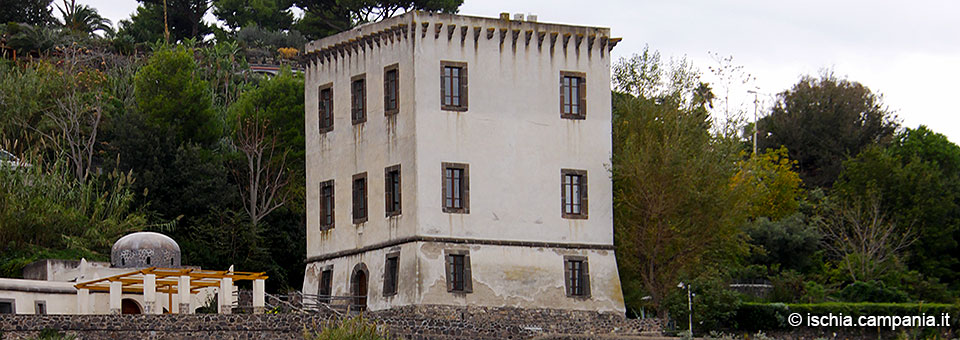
(391,284)
(320,112)
(584,197)
(329,286)
(388,193)
(358,116)
(464,94)
(464,188)
(363,200)
(13,304)
(323,201)
(584,276)
(40,307)
(396,93)
(581,102)
(448,255)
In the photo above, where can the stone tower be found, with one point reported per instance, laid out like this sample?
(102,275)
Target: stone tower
(461,161)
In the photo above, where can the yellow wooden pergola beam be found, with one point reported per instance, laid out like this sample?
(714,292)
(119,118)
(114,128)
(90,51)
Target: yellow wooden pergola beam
(198,279)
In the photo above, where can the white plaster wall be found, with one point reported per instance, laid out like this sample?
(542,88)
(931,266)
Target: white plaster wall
(367,147)
(407,284)
(512,135)
(531,278)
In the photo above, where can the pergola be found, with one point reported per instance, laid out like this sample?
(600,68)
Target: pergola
(171,281)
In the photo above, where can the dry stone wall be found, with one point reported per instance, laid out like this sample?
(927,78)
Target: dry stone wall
(412,322)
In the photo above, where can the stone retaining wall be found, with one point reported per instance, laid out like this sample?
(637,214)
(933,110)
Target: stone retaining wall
(410,322)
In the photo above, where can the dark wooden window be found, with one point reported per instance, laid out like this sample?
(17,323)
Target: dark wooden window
(358,99)
(573,193)
(391,271)
(360,198)
(573,95)
(326,205)
(392,190)
(577,276)
(456,188)
(326,108)
(459,278)
(358,287)
(326,285)
(391,90)
(453,86)
(8,306)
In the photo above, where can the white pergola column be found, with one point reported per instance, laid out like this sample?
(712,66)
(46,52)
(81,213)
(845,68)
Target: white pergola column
(226,295)
(83,301)
(183,291)
(258,296)
(150,295)
(116,294)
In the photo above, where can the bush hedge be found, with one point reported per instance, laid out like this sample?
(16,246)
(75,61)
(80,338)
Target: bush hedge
(771,316)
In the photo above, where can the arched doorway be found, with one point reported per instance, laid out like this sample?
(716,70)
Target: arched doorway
(358,287)
(130,306)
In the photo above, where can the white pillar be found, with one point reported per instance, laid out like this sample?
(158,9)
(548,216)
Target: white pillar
(116,294)
(83,301)
(150,295)
(258,296)
(226,295)
(183,291)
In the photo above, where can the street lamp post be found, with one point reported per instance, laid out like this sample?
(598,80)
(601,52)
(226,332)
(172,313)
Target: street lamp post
(689,307)
(754,120)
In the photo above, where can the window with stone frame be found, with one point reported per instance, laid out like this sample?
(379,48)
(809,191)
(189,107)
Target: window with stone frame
(360,198)
(391,90)
(8,306)
(326,284)
(573,193)
(573,95)
(576,275)
(40,307)
(456,188)
(326,205)
(358,99)
(391,273)
(391,190)
(453,86)
(459,276)
(326,108)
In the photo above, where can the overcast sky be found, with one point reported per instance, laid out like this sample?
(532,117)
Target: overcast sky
(909,51)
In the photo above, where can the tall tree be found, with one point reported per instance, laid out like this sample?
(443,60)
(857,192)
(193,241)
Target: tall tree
(823,121)
(918,179)
(145,25)
(673,198)
(184,18)
(268,14)
(171,94)
(325,17)
(32,12)
(82,18)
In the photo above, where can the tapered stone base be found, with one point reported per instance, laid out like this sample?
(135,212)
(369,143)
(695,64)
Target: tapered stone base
(259,310)
(185,308)
(114,310)
(149,307)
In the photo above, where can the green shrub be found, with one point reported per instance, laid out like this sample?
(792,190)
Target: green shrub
(356,328)
(873,291)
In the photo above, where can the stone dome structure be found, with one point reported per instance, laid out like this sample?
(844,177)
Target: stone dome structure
(145,249)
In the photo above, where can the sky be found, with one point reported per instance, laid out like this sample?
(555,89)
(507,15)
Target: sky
(908,51)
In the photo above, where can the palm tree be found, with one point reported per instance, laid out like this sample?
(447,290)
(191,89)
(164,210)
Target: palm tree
(83,18)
